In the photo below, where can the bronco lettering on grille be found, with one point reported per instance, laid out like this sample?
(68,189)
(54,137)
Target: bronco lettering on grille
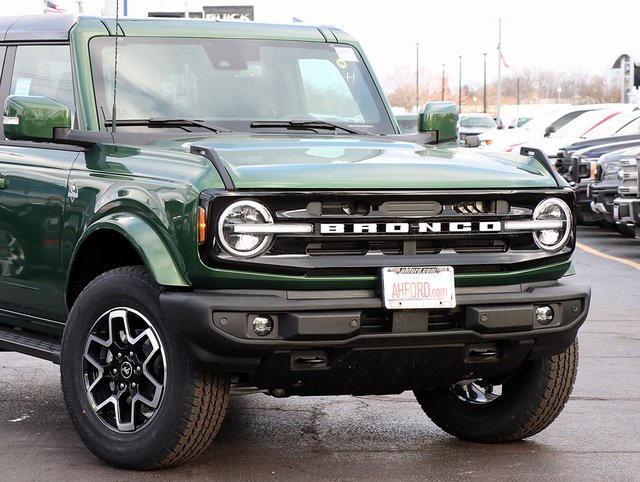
(412,228)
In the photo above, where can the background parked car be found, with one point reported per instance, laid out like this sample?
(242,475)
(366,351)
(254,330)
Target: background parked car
(472,124)
(577,162)
(582,127)
(614,169)
(408,123)
(541,126)
(519,122)
(626,208)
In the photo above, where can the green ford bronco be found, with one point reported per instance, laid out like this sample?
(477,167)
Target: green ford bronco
(249,216)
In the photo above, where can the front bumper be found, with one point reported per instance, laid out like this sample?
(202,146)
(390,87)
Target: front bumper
(602,195)
(626,211)
(345,342)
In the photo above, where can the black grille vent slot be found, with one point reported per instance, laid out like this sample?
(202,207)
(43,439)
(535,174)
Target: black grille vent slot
(380,321)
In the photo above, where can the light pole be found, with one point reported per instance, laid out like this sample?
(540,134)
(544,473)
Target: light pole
(460,82)
(499,90)
(484,84)
(417,76)
(442,97)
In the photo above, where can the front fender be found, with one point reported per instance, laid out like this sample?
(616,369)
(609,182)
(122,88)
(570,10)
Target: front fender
(147,242)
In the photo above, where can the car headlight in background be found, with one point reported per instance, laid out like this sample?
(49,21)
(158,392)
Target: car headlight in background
(610,170)
(230,228)
(553,209)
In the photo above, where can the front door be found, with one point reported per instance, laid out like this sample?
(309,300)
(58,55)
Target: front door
(33,192)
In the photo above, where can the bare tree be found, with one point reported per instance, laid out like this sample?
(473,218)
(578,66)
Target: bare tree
(531,85)
(401,87)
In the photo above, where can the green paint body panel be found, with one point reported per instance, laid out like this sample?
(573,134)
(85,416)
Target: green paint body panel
(55,198)
(262,161)
(215,278)
(147,242)
(36,117)
(85,98)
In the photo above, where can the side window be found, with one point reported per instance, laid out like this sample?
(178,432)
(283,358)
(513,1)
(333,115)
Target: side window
(565,119)
(43,70)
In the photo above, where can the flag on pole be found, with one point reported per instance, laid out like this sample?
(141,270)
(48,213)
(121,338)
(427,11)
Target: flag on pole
(502,59)
(52,7)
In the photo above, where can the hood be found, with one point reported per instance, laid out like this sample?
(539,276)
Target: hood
(312,162)
(595,152)
(475,130)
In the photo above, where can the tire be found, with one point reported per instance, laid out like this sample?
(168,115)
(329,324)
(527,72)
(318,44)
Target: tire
(180,422)
(626,230)
(532,397)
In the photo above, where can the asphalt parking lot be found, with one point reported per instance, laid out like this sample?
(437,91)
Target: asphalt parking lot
(596,437)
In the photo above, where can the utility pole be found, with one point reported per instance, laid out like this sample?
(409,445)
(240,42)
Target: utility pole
(417,76)
(460,82)
(442,97)
(484,85)
(499,92)
(186,8)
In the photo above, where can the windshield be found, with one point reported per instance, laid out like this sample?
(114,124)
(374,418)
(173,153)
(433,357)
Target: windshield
(234,82)
(477,121)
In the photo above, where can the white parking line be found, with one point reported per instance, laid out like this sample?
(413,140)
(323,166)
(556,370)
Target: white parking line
(591,250)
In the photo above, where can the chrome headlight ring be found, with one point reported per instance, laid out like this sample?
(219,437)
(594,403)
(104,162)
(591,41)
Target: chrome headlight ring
(243,245)
(557,210)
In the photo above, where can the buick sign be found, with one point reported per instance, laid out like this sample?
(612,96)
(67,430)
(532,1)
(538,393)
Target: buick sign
(237,13)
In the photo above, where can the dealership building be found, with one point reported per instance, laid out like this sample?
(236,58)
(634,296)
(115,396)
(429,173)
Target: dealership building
(236,10)
(208,9)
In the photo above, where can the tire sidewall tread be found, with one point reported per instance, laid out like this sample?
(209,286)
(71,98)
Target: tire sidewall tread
(538,395)
(194,402)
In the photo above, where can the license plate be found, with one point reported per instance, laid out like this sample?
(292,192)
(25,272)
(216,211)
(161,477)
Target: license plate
(418,288)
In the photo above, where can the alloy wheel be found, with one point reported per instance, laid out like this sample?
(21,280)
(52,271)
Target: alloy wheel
(124,369)
(478,392)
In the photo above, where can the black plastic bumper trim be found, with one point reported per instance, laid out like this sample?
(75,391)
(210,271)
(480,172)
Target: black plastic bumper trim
(190,317)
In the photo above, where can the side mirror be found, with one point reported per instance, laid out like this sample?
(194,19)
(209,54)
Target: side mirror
(34,118)
(441,117)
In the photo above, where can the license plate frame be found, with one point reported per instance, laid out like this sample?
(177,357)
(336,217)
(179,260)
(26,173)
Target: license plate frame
(421,288)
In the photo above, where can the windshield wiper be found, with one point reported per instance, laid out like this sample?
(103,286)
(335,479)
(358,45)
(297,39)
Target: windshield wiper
(305,125)
(161,122)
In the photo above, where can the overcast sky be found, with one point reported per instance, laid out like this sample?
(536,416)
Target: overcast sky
(556,34)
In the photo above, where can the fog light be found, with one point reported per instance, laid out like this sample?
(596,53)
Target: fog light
(262,325)
(544,315)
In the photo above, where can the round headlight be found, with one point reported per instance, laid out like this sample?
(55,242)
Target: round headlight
(243,213)
(553,209)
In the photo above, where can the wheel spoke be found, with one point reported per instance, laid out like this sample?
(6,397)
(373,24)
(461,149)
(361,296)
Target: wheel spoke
(98,367)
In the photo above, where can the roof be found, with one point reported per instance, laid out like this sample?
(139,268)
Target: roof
(57,27)
(36,27)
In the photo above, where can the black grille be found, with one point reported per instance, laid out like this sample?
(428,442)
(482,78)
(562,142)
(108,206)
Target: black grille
(359,253)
